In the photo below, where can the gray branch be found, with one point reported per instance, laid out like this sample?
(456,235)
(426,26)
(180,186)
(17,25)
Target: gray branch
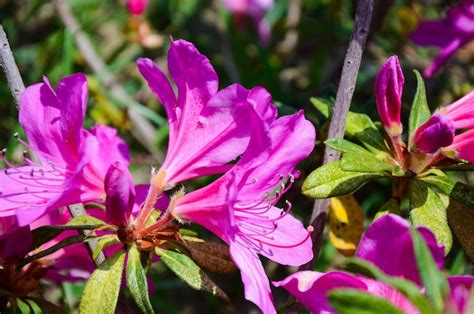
(8,65)
(142,130)
(344,95)
(15,83)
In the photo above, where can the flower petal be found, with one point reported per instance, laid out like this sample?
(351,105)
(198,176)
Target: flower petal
(387,244)
(257,286)
(311,288)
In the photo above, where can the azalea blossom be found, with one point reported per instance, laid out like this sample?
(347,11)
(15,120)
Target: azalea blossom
(239,207)
(449,33)
(387,243)
(256,10)
(71,161)
(207,128)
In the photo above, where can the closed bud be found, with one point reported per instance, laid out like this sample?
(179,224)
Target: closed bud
(388,95)
(120,195)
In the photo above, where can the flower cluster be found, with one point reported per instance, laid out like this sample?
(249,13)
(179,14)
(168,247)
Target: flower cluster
(208,130)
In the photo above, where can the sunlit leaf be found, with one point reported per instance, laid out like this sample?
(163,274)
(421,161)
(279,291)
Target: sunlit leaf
(420,112)
(136,280)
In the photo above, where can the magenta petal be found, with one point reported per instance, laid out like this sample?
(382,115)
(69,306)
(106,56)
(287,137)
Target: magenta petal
(120,195)
(161,87)
(219,136)
(257,286)
(433,33)
(387,244)
(463,144)
(434,134)
(72,97)
(461,112)
(311,288)
(111,148)
(444,54)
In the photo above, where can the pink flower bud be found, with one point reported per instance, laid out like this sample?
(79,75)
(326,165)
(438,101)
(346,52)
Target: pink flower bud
(434,134)
(120,195)
(388,95)
(136,7)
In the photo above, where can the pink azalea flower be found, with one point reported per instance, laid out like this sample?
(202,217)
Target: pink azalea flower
(449,33)
(256,10)
(72,162)
(239,207)
(439,131)
(387,244)
(136,7)
(207,128)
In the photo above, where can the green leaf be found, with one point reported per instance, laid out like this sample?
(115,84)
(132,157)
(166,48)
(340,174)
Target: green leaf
(330,180)
(345,146)
(406,287)
(353,301)
(185,268)
(433,279)
(460,192)
(358,162)
(86,220)
(103,242)
(136,280)
(392,206)
(460,218)
(46,306)
(420,112)
(358,125)
(361,127)
(102,289)
(427,209)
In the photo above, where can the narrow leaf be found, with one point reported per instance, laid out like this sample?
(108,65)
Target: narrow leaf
(102,289)
(433,280)
(353,301)
(185,268)
(427,209)
(214,257)
(420,112)
(330,180)
(136,280)
(86,220)
(103,242)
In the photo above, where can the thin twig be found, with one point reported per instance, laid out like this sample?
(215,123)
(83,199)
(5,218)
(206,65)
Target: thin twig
(142,130)
(7,63)
(344,95)
(15,83)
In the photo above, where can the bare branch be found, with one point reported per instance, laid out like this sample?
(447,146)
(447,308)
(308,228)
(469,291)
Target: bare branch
(344,95)
(7,63)
(15,83)
(142,130)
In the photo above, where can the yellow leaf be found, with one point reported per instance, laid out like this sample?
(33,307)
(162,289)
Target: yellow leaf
(346,223)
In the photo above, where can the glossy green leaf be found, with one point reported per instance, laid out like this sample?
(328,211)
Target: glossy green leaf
(353,301)
(359,162)
(45,306)
(102,289)
(185,268)
(330,180)
(420,112)
(435,283)
(406,287)
(86,220)
(136,280)
(427,209)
